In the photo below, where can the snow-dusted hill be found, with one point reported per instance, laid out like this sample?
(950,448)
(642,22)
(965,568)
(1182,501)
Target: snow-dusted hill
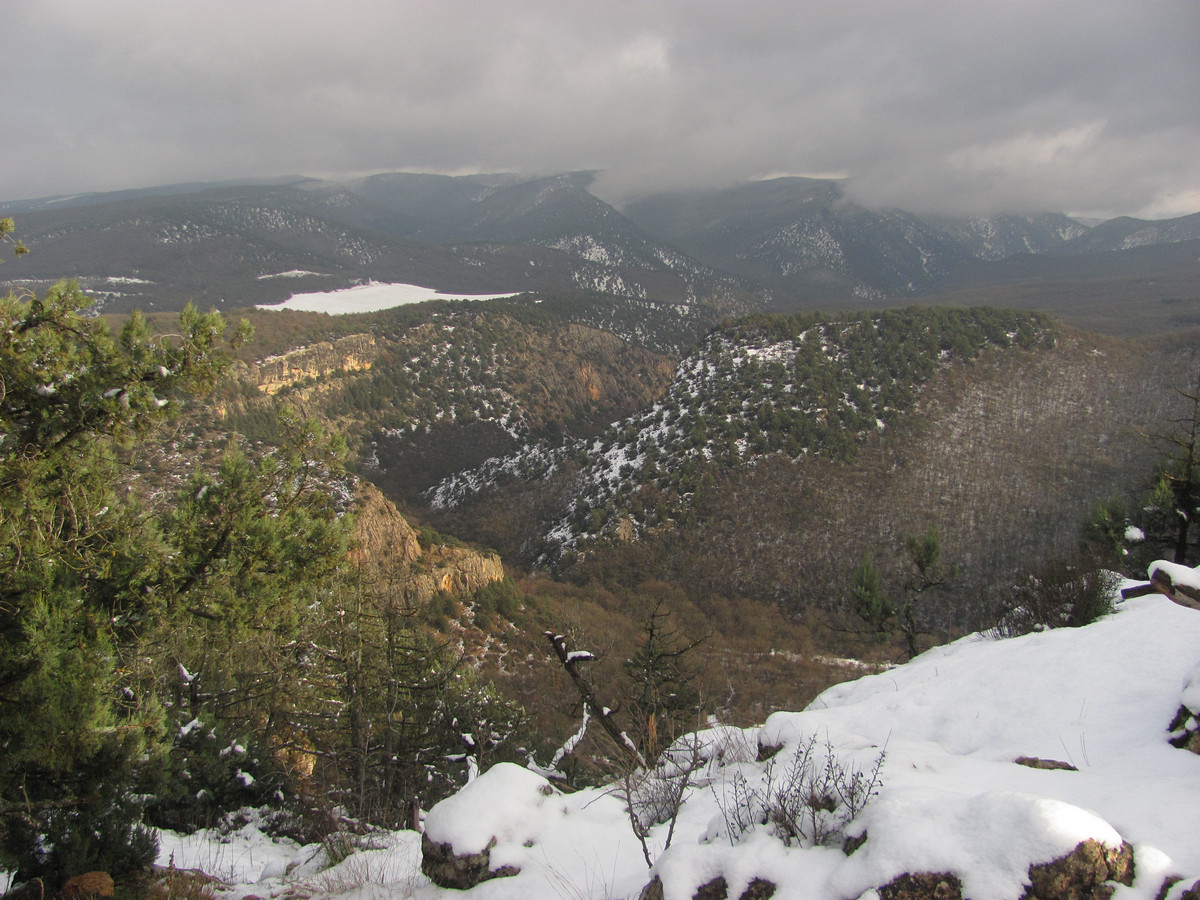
(950,796)
(804,388)
(784,243)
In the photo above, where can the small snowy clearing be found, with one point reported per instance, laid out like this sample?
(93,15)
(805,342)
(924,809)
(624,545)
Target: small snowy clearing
(243,856)
(248,863)
(371,297)
(950,797)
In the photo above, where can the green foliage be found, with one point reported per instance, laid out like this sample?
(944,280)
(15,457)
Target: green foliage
(440,611)
(798,387)
(101,836)
(925,551)
(1105,529)
(502,597)
(81,566)
(254,539)
(1174,506)
(1167,516)
(196,637)
(7,226)
(927,570)
(407,716)
(1160,521)
(869,601)
(429,537)
(210,773)
(883,612)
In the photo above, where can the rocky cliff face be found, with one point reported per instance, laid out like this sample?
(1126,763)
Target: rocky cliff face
(386,540)
(353,353)
(458,572)
(382,535)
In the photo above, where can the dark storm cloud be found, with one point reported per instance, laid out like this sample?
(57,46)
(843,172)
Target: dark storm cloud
(1092,107)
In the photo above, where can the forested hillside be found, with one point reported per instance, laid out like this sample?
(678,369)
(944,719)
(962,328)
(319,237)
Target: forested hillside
(785,450)
(440,388)
(798,387)
(1005,458)
(765,464)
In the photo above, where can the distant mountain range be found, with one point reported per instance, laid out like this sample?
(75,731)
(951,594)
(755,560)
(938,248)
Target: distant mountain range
(787,243)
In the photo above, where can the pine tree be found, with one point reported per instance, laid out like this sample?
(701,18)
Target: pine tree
(1173,508)
(927,570)
(82,569)
(869,600)
(665,700)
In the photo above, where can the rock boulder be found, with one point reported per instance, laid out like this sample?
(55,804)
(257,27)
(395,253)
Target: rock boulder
(448,869)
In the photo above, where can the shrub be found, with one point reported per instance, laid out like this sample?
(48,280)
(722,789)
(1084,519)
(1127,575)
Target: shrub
(817,796)
(809,800)
(181,884)
(441,610)
(1105,529)
(503,597)
(429,538)
(211,773)
(1059,593)
(101,835)
(655,796)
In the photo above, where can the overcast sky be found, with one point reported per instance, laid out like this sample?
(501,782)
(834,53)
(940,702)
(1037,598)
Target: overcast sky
(958,105)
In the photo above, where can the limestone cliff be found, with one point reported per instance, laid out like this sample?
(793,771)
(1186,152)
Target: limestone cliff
(382,535)
(458,572)
(353,353)
(386,540)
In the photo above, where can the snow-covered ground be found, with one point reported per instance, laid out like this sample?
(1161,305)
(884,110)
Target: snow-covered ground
(951,798)
(248,863)
(370,297)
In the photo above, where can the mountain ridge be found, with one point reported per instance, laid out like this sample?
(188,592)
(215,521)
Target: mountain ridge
(789,243)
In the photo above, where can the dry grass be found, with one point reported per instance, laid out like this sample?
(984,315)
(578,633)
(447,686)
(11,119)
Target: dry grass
(181,884)
(369,866)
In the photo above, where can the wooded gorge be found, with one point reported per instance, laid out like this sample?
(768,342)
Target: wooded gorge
(784,449)
(227,612)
